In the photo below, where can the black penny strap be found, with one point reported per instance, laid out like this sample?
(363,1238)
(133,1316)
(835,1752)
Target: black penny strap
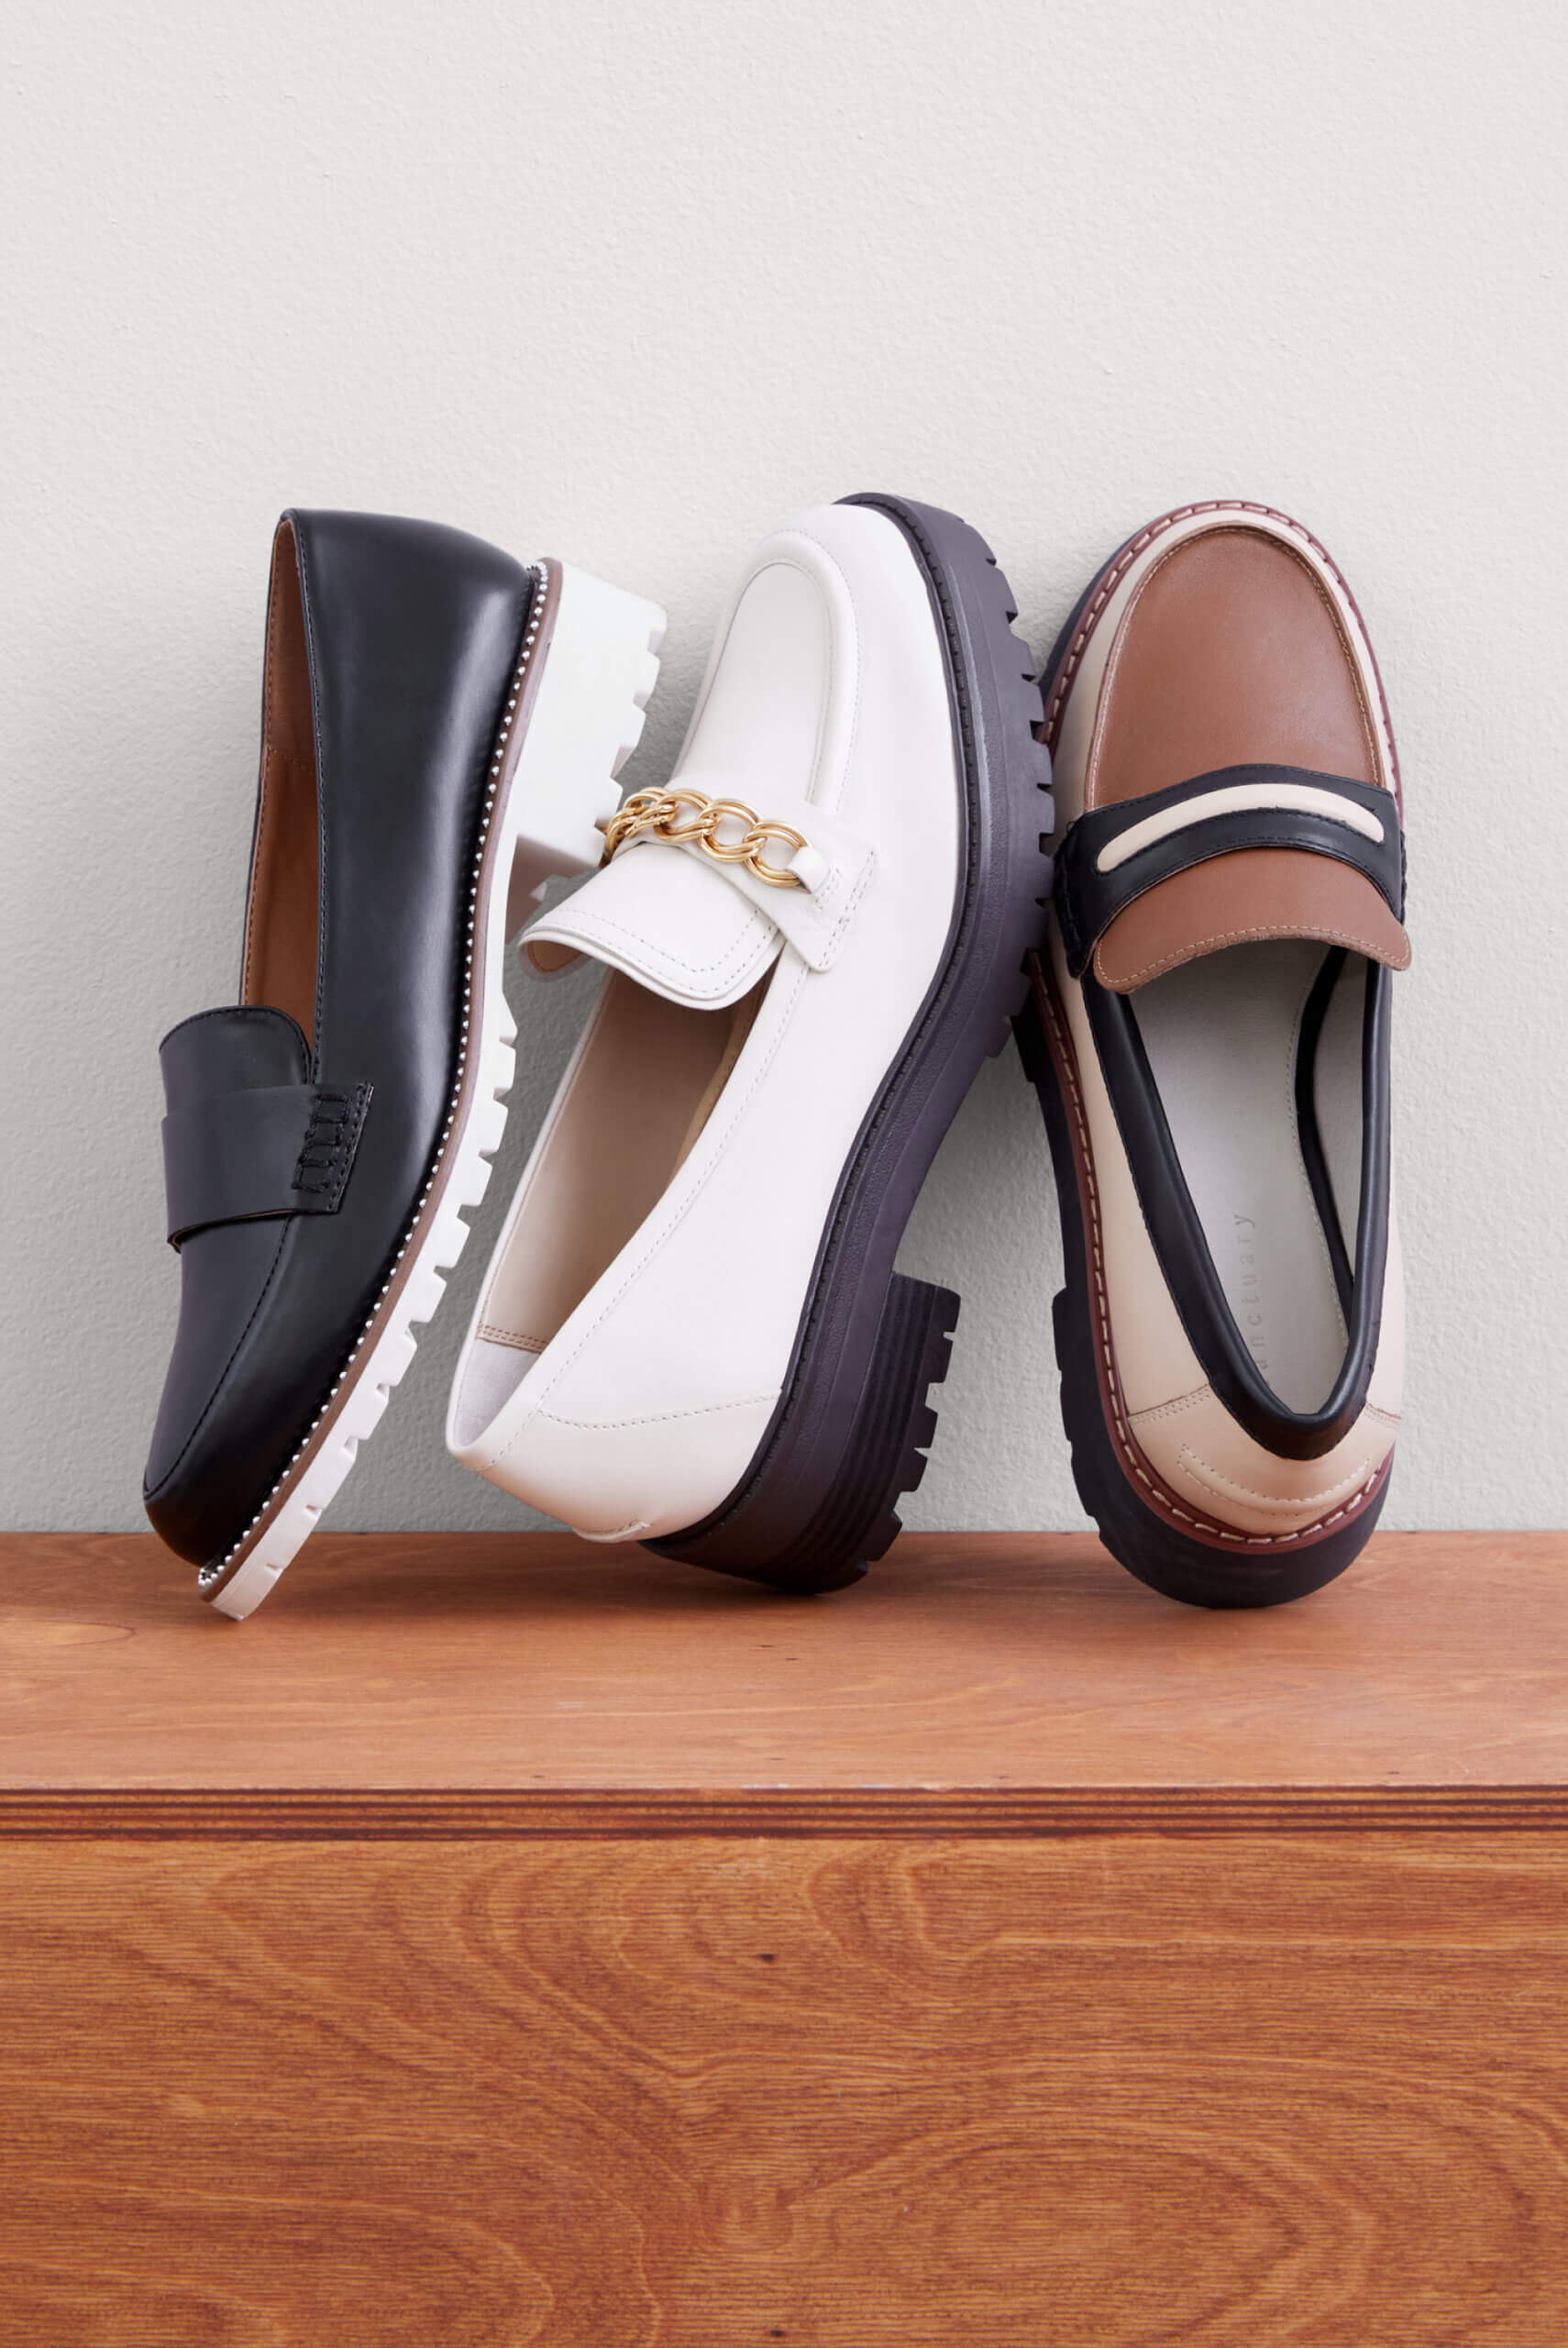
(1112,855)
(269,1150)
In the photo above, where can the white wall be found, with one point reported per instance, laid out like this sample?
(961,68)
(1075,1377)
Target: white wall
(631,284)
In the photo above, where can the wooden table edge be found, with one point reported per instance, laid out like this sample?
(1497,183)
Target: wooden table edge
(333,1813)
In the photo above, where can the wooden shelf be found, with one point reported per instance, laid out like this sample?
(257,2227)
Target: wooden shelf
(968,1669)
(501,1940)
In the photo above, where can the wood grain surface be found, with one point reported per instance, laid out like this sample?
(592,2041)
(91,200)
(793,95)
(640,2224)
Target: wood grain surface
(498,1943)
(1076,2095)
(986,1666)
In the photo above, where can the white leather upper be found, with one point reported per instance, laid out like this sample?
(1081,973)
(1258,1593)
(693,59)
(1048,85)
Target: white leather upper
(825,705)
(704,933)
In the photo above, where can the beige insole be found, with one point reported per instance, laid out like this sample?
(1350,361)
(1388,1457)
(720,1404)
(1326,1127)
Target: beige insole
(644,1089)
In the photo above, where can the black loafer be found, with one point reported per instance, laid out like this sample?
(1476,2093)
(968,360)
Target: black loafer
(440,731)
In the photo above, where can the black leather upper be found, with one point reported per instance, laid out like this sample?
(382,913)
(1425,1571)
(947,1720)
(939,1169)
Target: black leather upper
(249,1148)
(412,633)
(1089,900)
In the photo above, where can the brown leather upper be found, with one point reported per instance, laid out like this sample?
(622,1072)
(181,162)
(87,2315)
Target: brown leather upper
(281,921)
(1230,654)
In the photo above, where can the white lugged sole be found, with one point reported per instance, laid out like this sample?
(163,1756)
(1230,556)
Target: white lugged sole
(598,671)
(586,721)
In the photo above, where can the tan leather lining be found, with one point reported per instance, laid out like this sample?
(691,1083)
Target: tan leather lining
(1231,653)
(645,1088)
(281,927)
(546,956)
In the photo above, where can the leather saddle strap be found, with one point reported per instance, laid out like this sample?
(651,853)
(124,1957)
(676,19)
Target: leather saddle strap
(1112,855)
(276,1149)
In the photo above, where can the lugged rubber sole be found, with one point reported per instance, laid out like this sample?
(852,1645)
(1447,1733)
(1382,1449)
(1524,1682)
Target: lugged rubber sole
(818,1502)
(1152,1547)
(586,668)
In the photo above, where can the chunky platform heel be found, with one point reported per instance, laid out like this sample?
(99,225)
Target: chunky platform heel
(882,1455)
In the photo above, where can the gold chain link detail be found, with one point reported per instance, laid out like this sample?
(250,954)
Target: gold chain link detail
(661,812)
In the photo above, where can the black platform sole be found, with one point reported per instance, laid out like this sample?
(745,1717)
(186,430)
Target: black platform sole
(818,1503)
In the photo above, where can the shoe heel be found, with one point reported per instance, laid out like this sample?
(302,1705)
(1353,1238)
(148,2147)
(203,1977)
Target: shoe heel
(600,666)
(886,1451)
(864,1467)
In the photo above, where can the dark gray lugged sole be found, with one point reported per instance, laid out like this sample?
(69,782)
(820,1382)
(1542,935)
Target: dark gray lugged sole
(818,1503)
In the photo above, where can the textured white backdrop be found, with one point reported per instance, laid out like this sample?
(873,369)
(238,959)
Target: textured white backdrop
(632,285)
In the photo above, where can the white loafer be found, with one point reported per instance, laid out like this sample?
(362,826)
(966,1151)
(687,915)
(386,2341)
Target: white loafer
(691,1333)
